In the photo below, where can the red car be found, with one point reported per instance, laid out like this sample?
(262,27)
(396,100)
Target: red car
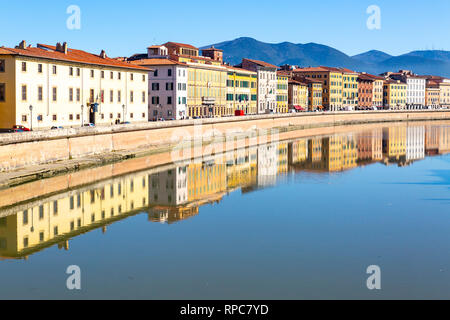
(21,128)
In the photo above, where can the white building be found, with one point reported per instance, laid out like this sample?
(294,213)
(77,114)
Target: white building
(51,86)
(267,83)
(416,87)
(167,84)
(169,188)
(415,143)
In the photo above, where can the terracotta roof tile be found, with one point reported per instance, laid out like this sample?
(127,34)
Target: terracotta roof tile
(49,52)
(262,63)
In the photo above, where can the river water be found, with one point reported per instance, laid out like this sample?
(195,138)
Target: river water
(298,219)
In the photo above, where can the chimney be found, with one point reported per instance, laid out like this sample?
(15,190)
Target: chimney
(22,45)
(62,47)
(103,54)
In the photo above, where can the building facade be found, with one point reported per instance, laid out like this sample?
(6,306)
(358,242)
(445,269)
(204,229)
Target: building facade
(432,95)
(332,85)
(282,92)
(242,91)
(298,96)
(53,86)
(167,85)
(415,95)
(349,89)
(267,84)
(394,95)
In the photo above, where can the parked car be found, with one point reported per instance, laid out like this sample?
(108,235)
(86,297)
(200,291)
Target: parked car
(57,128)
(125,122)
(23,128)
(90,125)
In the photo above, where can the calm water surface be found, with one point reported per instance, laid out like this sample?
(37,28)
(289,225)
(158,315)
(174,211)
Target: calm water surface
(292,220)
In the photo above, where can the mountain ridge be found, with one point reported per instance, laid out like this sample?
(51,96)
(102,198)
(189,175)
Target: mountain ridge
(436,62)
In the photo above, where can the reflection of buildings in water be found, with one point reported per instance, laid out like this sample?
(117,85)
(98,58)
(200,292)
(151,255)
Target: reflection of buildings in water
(444,140)
(53,222)
(370,145)
(171,215)
(340,153)
(169,187)
(394,144)
(415,143)
(242,168)
(176,194)
(432,140)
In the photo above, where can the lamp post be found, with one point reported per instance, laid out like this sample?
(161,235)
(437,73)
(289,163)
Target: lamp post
(31,117)
(82,115)
(124,116)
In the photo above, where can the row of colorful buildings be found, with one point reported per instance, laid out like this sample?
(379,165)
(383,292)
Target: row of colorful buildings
(175,194)
(51,86)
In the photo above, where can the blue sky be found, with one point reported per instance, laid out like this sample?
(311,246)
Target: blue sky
(127,27)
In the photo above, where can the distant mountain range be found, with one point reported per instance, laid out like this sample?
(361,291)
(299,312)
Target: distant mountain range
(312,54)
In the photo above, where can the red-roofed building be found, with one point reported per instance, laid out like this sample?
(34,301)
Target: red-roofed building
(57,86)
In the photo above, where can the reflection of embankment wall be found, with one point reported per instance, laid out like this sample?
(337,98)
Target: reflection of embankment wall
(26,149)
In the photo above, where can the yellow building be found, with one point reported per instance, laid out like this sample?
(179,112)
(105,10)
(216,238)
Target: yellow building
(282,92)
(206,180)
(206,83)
(432,95)
(51,86)
(242,168)
(42,224)
(394,95)
(242,91)
(339,153)
(332,84)
(444,87)
(298,96)
(349,88)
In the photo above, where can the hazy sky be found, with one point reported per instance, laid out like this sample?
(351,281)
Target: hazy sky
(127,27)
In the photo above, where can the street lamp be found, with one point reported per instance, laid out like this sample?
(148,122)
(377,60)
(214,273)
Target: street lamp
(31,117)
(82,115)
(123,107)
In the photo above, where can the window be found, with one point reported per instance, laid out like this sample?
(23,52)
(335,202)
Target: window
(54,70)
(155,73)
(78,72)
(54,117)
(71,94)
(103,74)
(24,67)
(25,217)
(71,117)
(2,92)
(2,65)
(24,93)
(78,95)
(155,86)
(92,73)
(143,78)
(70,71)
(40,93)
(143,96)
(169,72)
(91,96)
(111,75)
(111,96)
(102,96)
(55,94)
(169,100)
(131,76)
(119,76)
(131,96)
(24,118)
(131,115)
(119,96)
(39,68)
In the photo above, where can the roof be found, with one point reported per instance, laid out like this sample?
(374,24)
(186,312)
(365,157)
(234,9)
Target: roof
(155,47)
(325,69)
(239,69)
(49,52)
(369,77)
(156,62)
(283,73)
(297,83)
(212,49)
(184,45)
(262,63)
